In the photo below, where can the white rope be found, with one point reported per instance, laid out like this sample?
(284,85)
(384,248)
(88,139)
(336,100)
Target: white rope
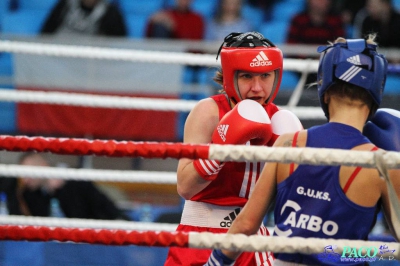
(92,52)
(205,239)
(90,100)
(85,223)
(312,156)
(123,102)
(277,244)
(132,55)
(240,153)
(10,170)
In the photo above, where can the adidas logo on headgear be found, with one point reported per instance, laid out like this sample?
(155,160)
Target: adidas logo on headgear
(355,60)
(227,222)
(261,60)
(222,130)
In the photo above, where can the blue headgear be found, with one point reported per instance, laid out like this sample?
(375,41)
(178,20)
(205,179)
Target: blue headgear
(355,62)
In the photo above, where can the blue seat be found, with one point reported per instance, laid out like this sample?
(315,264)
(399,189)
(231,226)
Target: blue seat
(285,10)
(197,75)
(396,4)
(298,2)
(392,86)
(137,7)
(136,25)
(7,109)
(27,22)
(276,31)
(36,4)
(254,16)
(6,64)
(8,119)
(204,7)
(4,7)
(289,80)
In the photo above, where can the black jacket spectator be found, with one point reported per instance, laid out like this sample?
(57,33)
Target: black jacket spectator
(96,17)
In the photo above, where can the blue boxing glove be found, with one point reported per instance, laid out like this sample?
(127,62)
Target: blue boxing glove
(217,258)
(383,129)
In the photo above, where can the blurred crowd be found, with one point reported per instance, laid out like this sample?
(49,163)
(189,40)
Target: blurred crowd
(319,21)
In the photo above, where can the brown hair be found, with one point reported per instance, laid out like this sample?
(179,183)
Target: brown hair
(219,79)
(353,92)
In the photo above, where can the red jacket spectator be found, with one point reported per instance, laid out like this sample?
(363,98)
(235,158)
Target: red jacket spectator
(179,22)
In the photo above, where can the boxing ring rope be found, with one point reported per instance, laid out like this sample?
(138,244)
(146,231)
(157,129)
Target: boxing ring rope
(78,51)
(124,102)
(85,223)
(239,153)
(181,239)
(313,156)
(14,230)
(150,177)
(75,51)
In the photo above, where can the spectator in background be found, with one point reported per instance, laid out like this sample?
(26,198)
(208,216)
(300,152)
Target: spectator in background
(228,18)
(316,24)
(380,17)
(77,199)
(179,22)
(88,17)
(348,9)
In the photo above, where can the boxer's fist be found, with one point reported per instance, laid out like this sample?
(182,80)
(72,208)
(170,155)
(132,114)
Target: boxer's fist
(248,120)
(383,129)
(217,258)
(284,121)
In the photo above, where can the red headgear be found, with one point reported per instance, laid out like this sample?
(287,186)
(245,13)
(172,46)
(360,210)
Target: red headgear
(249,52)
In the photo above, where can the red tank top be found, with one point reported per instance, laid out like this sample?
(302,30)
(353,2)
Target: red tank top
(236,180)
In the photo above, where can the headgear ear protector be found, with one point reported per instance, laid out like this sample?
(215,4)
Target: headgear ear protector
(355,62)
(249,52)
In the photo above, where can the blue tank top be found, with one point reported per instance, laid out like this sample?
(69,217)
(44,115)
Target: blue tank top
(305,196)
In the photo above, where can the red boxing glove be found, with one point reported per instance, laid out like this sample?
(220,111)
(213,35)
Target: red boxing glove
(284,121)
(247,121)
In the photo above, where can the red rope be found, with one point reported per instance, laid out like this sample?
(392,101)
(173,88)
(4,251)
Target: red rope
(110,148)
(94,236)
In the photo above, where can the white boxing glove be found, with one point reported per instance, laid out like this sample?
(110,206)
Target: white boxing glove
(284,121)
